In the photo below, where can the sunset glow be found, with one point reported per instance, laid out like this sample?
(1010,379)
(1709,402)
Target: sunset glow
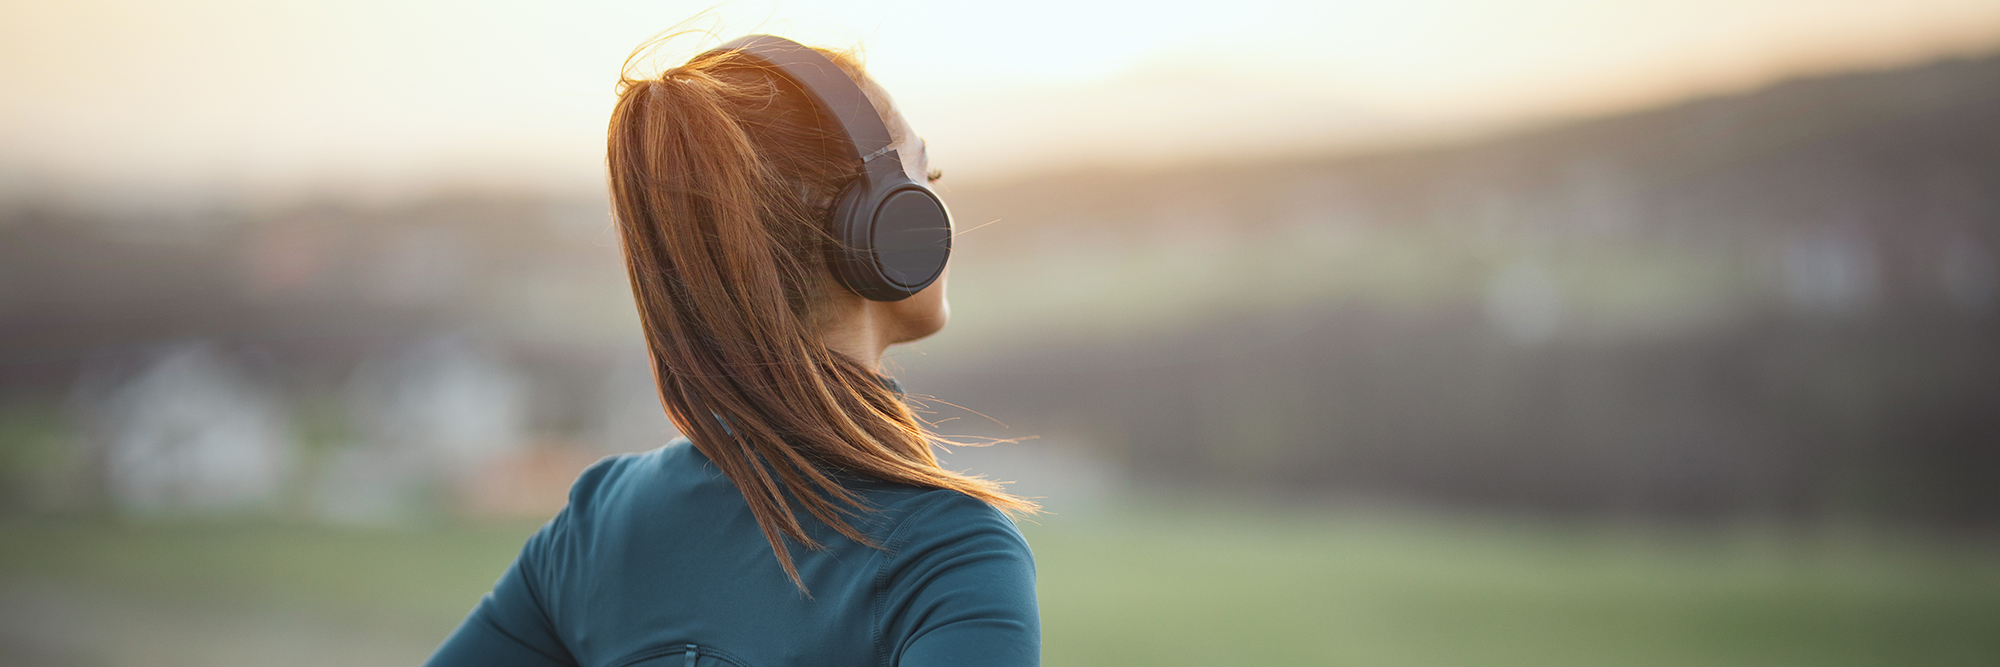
(379,96)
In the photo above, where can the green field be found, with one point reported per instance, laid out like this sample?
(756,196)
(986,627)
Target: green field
(1264,587)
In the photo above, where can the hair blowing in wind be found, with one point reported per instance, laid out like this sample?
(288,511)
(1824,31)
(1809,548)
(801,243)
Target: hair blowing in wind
(721,178)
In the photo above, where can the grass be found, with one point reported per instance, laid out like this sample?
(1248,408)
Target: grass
(1219,588)
(1214,587)
(416,580)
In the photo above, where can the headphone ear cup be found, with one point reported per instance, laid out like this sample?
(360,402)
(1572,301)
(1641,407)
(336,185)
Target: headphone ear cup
(894,237)
(912,236)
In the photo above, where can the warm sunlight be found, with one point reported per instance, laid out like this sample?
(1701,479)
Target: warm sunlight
(222,95)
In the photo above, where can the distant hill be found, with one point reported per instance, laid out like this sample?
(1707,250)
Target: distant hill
(1937,115)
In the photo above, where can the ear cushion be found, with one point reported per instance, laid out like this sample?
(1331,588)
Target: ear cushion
(895,238)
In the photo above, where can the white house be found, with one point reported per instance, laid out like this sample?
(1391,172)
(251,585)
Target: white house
(191,431)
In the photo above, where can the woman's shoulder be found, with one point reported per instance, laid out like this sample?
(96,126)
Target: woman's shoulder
(927,519)
(957,586)
(675,465)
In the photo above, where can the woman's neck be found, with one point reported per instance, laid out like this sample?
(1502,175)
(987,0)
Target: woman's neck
(856,330)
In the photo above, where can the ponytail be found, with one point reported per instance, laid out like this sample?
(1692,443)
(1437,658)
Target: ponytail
(721,176)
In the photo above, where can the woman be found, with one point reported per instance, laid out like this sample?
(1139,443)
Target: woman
(805,519)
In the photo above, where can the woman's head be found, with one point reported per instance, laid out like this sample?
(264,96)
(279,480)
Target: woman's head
(722,175)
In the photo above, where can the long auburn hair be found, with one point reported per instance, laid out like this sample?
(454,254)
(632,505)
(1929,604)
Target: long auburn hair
(722,175)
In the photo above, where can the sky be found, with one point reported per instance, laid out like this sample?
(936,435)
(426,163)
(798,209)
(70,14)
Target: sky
(401,97)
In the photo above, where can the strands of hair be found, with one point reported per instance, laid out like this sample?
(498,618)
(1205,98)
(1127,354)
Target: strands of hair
(721,175)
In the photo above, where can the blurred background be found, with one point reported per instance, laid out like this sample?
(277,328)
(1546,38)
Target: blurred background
(1335,333)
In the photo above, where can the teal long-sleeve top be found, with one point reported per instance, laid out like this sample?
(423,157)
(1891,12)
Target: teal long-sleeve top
(657,561)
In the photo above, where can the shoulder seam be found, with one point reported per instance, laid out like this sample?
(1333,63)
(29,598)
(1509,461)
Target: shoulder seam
(887,555)
(489,622)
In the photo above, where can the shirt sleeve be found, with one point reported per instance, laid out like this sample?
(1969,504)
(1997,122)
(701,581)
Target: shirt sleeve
(959,589)
(510,627)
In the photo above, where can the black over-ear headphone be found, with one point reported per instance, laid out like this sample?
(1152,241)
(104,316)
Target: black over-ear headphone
(894,233)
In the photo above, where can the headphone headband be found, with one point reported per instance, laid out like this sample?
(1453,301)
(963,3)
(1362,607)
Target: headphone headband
(894,233)
(828,85)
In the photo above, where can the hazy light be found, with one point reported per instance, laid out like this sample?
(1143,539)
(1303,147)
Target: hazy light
(373,94)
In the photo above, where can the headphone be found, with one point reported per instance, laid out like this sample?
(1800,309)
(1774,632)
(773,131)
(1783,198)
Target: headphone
(894,233)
